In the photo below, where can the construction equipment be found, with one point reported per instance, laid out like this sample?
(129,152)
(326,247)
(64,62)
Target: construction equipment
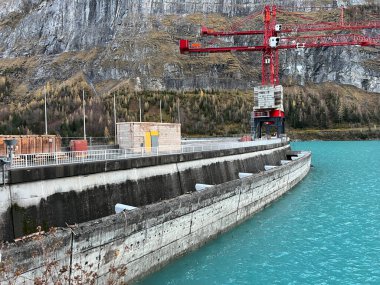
(268,99)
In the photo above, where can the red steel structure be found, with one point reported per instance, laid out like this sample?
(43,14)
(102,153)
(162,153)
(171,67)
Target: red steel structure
(272,43)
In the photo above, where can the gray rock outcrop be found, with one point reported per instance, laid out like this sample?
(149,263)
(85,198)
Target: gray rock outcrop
(138,41)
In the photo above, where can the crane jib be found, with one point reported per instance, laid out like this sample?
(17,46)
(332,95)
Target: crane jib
(268,98)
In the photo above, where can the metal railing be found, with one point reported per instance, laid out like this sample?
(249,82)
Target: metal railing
(70,157)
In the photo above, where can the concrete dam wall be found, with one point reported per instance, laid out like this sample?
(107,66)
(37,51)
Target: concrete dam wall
(131,244)
(71,194)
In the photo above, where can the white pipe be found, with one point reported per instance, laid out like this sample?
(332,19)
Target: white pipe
(244,174)
(269,167)
(121,207)
(201,187)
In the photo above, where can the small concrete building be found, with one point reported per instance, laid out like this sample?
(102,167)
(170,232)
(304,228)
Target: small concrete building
(134,135)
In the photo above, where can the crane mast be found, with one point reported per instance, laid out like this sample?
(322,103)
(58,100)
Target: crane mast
(268,107)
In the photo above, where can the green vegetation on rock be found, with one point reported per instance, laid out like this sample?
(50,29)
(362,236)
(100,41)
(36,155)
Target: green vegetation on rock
(202,112)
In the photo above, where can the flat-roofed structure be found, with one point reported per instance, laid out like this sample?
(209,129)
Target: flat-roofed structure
(150,135)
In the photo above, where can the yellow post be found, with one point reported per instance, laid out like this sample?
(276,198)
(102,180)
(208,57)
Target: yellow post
(148,142)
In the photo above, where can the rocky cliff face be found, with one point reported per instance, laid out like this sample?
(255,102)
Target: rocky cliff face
(113,41)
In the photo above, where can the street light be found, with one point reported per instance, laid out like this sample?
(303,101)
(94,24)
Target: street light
(10,148)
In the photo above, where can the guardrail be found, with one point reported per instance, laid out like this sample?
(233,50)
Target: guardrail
(70,157)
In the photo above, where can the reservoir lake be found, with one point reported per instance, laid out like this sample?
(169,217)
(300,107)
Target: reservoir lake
(326,230)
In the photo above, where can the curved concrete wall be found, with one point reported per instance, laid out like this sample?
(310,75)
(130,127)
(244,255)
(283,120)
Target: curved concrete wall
(145,239)
(70,194)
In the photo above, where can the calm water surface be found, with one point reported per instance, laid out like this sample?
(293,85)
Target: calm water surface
(325,231)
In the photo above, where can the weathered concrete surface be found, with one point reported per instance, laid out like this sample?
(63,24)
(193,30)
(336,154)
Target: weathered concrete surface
(6,226)
(216,210)
(43,257)
(54,196)
(145,239)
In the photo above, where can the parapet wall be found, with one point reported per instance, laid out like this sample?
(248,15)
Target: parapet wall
(131,244)
(71,194)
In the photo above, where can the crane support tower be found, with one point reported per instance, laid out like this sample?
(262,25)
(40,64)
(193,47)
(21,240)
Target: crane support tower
(268,107)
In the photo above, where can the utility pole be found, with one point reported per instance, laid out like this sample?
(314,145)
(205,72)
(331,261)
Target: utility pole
(46,130)
(114,115)
(160,112)
(140,108)
(84,117)
(179,115)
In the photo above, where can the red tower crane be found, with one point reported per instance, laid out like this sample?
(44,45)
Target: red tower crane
(268,98)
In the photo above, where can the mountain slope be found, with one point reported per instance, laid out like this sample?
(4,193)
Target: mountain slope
(103,46)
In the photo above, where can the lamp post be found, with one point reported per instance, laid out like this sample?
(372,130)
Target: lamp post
(114,116)
(84,117)
(46,131)
(179,114)
(160,111)
(10,148)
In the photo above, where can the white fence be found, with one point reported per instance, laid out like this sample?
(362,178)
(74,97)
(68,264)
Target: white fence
(70,157)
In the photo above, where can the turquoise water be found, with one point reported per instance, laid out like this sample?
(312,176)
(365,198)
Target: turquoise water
(325,231)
